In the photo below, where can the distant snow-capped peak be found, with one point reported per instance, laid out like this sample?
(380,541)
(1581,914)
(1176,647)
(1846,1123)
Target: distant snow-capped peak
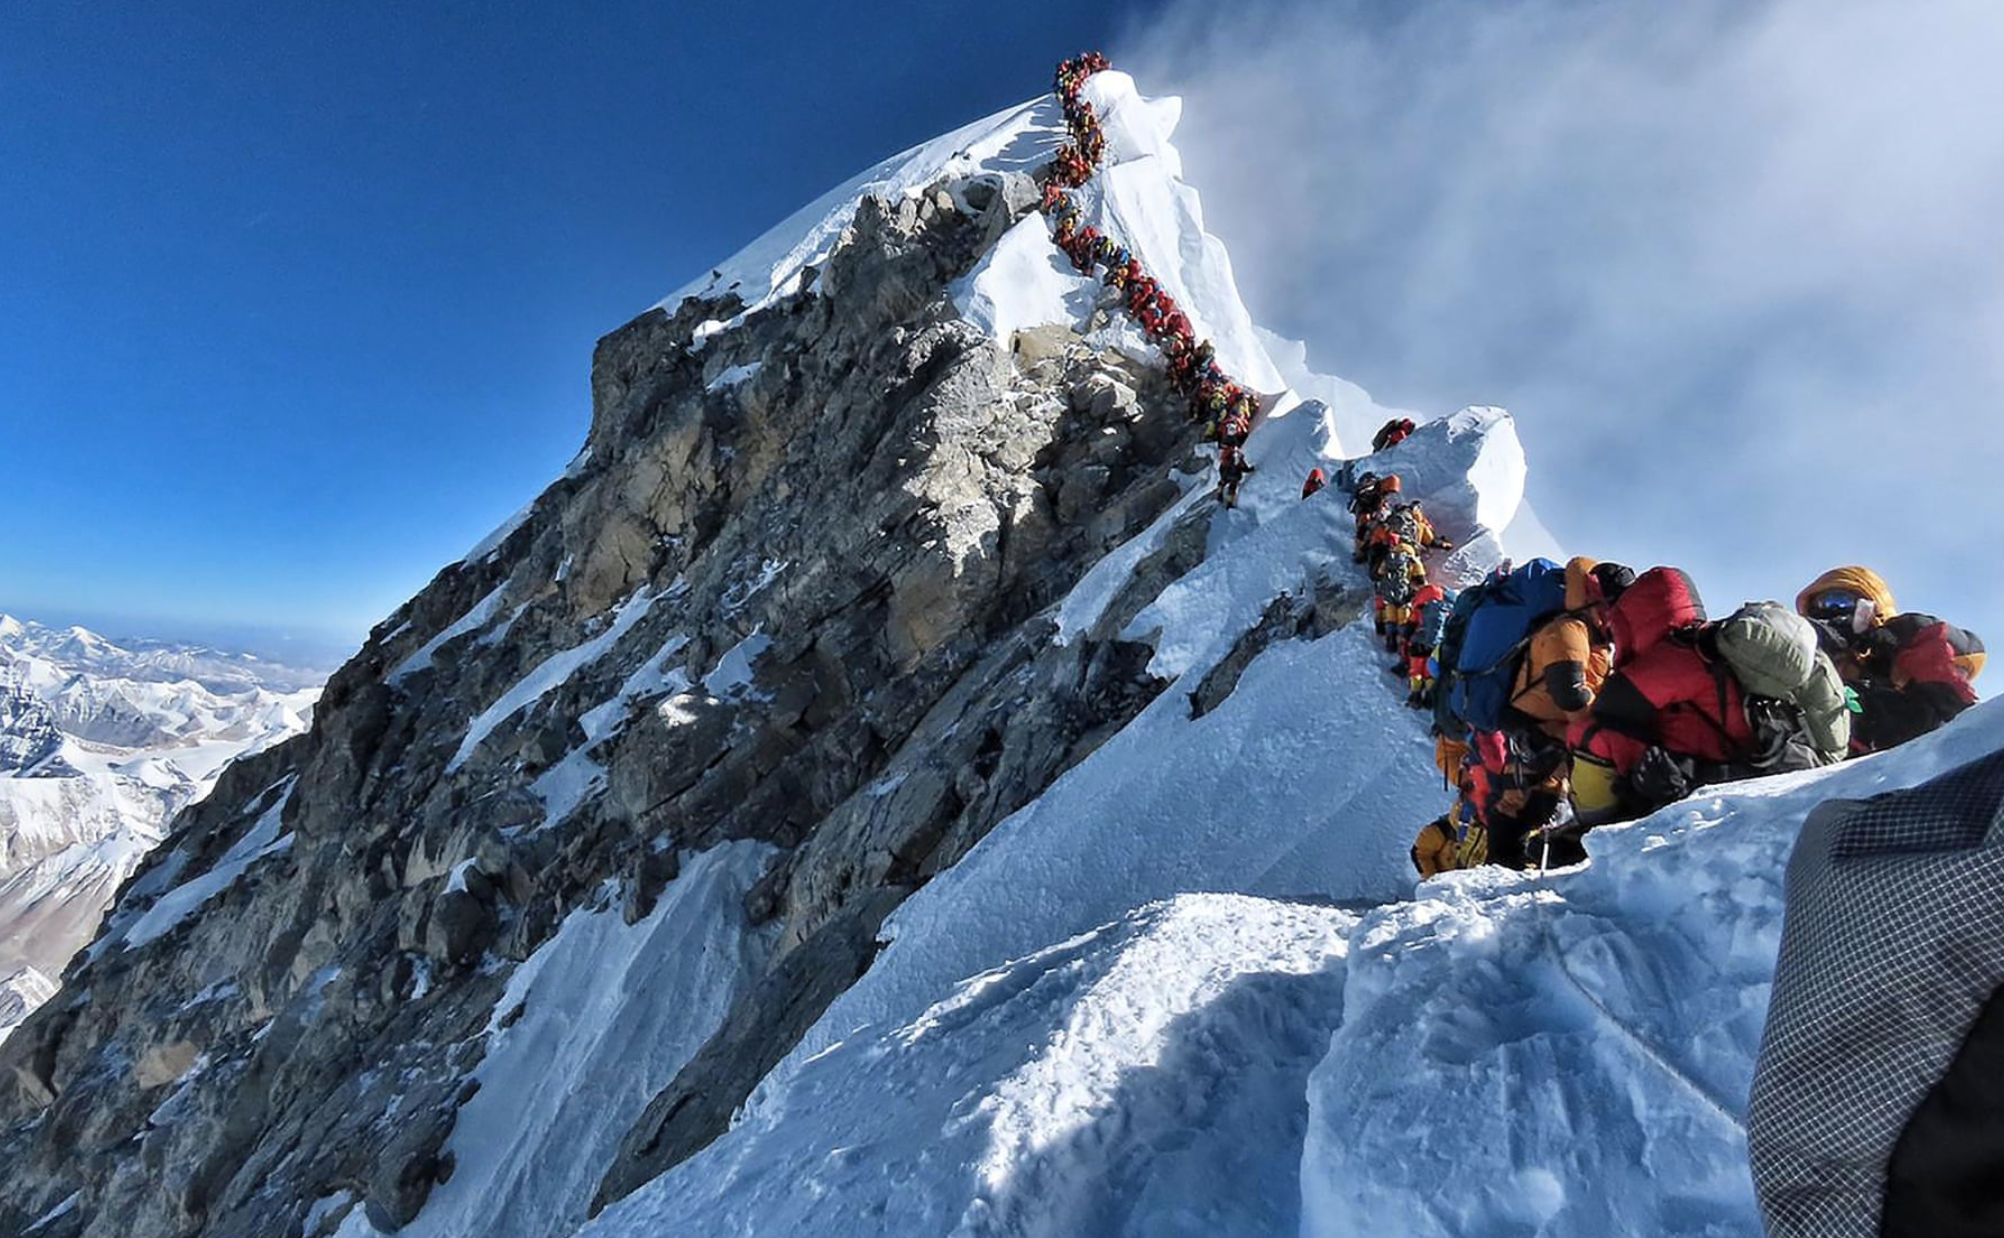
(102,742)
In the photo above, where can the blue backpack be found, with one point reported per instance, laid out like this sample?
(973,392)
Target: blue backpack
(1498,629)
(1445,650)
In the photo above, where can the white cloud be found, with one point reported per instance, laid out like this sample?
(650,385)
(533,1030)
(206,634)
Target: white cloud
(1738,267)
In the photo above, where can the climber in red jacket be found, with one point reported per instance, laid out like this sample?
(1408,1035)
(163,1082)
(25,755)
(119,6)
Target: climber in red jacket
(1233,469)
(1392,433)
(1140,294)
(1669,718)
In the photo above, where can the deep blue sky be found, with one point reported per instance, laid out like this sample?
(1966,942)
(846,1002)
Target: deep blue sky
(297,301)
(294,308)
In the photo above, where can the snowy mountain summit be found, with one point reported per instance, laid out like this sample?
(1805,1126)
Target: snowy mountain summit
(878,789)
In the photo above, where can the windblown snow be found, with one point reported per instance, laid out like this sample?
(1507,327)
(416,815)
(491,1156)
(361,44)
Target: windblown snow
(1193,988)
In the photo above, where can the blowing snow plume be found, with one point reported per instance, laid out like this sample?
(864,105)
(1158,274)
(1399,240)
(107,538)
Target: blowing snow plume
(1766,240)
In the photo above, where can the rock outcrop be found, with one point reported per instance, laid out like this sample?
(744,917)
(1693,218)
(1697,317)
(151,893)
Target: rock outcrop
(793,591)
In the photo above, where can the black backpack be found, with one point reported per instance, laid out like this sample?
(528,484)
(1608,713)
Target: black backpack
(1404,522)
(1781,739)
(1395,582)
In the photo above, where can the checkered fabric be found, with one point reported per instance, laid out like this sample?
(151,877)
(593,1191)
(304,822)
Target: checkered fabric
(1893,942)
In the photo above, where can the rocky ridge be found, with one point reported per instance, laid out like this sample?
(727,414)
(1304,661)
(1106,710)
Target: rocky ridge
(792,591)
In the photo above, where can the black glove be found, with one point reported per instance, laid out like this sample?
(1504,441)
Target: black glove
(1659,778)
(1880,645)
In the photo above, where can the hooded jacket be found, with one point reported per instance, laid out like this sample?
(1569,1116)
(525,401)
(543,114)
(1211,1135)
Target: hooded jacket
(1567,660)
(1664,690)
(1862,581)
(1917,674)
(1848,645)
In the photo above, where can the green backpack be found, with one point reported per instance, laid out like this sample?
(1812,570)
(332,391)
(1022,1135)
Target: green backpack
(1774,654)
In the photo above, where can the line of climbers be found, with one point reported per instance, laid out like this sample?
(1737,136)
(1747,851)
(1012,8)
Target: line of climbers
(1225,406)
(1564,697)
(1570,697)
(1391,538)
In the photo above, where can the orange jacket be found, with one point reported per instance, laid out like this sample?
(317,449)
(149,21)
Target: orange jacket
(1448,757)
(1562,671)
(1436,850)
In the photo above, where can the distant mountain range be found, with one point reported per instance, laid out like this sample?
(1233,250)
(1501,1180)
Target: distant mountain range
(101,743)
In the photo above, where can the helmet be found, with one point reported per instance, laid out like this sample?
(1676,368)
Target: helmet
(1390,485)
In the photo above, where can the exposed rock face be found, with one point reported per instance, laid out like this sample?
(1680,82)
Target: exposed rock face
(21,990)
(29,737)
(791,592)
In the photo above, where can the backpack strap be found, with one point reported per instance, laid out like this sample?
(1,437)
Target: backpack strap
(1512,652)
(1719,672)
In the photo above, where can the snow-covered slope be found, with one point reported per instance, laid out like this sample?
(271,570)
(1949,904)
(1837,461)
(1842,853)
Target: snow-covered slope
(1498,1054)
(101,743)
(1152,1001)
(1147,1077)
(1140,198)
(504,924)
(1016,140)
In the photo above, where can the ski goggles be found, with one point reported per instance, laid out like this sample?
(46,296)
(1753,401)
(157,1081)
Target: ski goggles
(1834,604)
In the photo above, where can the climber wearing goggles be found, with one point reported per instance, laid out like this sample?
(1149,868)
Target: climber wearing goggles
(1834,605)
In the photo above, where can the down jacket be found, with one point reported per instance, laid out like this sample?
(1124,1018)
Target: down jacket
(1664,692)
(1676,698)
(1567,660)
(1917,674)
